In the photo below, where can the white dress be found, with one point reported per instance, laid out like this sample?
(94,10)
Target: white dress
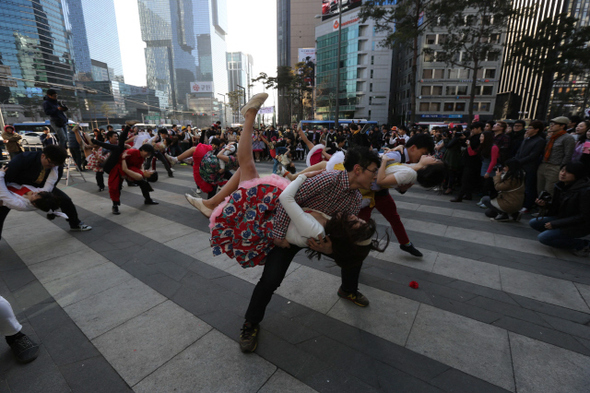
(17,202)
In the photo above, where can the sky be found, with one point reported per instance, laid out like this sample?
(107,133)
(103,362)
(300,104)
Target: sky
(252,30)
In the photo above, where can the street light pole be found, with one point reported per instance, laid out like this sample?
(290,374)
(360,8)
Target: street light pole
(224,110)
(337,108)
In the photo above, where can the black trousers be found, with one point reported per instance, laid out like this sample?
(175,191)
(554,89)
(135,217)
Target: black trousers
(275,268)
(100,179)
(67,206)
(470,180)
(163,160)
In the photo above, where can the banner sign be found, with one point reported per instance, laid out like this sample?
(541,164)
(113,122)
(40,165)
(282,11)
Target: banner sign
(346,21)
(269,110)
(330,7)
(201,87)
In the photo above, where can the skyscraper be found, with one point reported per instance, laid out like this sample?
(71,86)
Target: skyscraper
(93,26)
(34,47)
(185,43)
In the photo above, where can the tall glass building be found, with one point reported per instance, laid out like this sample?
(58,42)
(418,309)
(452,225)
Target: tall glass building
(239,71)
(185,43)
(35,48)
(94,34)
(167,28)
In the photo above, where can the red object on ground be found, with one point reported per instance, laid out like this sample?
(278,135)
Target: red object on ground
(414,284)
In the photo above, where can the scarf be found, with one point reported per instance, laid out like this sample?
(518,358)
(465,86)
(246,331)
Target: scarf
(550,144)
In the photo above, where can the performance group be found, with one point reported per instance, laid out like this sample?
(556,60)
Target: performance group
(326,208)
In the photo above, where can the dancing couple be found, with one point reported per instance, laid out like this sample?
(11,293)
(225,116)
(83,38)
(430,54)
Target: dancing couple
(266,221)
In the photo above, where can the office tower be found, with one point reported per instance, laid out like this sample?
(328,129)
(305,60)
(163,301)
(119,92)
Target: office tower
(365,70)
(522,90)
(239,71)
(296,24)
(34,47)
(93,26)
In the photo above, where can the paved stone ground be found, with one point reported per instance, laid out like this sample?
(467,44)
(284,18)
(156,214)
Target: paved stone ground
(139,304)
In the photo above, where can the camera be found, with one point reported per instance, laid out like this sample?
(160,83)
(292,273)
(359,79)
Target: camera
(544,196)
(498,168)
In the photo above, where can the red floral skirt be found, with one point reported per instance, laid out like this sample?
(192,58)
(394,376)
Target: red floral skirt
(242,226)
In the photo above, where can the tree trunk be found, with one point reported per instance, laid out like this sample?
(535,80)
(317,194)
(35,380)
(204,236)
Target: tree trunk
(473,88)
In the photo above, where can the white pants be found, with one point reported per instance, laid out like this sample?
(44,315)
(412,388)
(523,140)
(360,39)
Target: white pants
(9,326)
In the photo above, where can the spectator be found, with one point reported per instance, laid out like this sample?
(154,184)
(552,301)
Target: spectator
(12,141)
(568,215)
(529,156)
(509,182)
(47,138)
(502,140)
(558,152)
(516,136)
(58,119)
(471,163)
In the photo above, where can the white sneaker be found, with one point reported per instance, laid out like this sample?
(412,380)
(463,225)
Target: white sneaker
(198,203)
(197,191)
(172,160)
(255,102)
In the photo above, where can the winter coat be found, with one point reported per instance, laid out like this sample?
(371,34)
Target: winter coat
(58,117)
(13,145)
(570,206)
(530,152)
(510,194)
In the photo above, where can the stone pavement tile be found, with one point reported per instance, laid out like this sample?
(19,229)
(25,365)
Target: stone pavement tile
(289,329)
(100,313)
(18,278)
(197,300)
(64,266)
(575,329)
(522,245)
(310,288)
(144,343)
(393,380)
(550,309)
(22,238)
(469,270)
(28,296)
(60,336)
(473,347)
(190,244)
(94,375)
(457,381)
(584,291)
(50,250)
(284,383)
(546,289)
(18,377)
(167,232)
(540,367)
(498,295)
(288,357)
(338,381)
(479,237)
(207,271)
(393,254)
(388,316)
(162,284)
(510,310)
(10,259)
(400,289)
(234,284)
(76,287)
(541,333)
(343,358)
(225,322)
(464,309)
(212,364)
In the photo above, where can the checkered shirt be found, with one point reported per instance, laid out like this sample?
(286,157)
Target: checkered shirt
(328,192)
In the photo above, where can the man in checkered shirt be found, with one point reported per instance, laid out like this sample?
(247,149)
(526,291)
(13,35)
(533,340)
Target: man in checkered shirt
(329,192)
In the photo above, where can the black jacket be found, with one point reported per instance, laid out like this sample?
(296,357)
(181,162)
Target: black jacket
(50,107)
(25,168)
(570,206)
(530,152)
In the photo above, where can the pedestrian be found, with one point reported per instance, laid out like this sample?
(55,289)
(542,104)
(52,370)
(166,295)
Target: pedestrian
(47,138)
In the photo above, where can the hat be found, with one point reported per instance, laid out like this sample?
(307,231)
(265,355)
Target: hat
(577,169)
(561,120)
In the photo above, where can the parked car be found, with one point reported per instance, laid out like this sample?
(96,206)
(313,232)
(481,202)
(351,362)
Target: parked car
(30,138)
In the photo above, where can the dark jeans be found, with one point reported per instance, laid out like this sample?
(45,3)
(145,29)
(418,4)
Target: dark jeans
(67,206)
(555,237)
(491,211)
(275,268)
(100,179)
(530,191)
(163,160)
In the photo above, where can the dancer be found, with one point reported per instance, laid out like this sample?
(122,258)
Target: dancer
(24,349)
(274,240)
(35,168)
(416,147)
(28,198)
(95,155)
(134,159)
